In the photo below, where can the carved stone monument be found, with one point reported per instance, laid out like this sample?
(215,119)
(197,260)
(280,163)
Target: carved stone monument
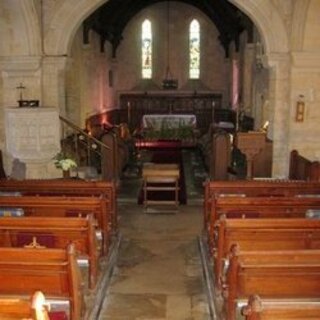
(33,137)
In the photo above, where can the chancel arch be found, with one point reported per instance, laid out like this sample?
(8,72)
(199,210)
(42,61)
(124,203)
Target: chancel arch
(65,18)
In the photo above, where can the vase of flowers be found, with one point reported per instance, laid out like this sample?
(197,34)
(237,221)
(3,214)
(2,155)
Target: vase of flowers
(64,162)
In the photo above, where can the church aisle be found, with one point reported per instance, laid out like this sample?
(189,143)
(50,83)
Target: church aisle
(158,273)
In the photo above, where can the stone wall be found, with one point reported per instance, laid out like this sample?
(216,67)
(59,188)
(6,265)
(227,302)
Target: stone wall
(214,66)
(87,89)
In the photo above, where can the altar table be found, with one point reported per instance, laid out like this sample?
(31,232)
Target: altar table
(170,121)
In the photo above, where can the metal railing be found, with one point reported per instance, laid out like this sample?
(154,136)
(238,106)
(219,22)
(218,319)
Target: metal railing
(79,142)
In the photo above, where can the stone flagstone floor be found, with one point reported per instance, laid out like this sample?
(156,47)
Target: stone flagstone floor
(158,274)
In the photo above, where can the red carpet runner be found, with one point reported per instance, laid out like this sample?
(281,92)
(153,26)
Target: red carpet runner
(167,156)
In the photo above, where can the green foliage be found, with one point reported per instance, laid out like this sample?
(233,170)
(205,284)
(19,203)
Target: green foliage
(64,162)
(183,132)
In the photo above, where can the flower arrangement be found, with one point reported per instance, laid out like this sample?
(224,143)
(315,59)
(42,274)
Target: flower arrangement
(62,161)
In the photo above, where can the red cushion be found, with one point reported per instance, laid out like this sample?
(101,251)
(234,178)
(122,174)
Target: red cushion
(58,315)
(46,240)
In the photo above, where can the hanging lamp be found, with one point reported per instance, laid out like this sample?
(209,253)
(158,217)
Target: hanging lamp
(169,82)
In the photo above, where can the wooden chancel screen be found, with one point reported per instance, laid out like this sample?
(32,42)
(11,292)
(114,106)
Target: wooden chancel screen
(134,106)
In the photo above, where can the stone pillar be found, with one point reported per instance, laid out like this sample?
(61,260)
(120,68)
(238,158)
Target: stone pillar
(249,59)
(33,137)
(53,82)
(279,95)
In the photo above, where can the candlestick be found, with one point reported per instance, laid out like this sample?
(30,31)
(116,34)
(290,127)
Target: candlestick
(21,87)
(129,113)
(212,111)
(237,119)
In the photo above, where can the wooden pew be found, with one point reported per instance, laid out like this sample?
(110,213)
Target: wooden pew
(258,207)
(53,271)
(283,275)
(68,187)
(257,309)
(34,308)
(262,234)
(54,206)
(301,168)
(53,232)
(254,188)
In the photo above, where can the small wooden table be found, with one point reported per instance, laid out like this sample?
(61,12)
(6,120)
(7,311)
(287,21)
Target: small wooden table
(160,177)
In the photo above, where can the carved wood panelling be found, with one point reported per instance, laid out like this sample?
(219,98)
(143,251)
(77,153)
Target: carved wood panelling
(134,106)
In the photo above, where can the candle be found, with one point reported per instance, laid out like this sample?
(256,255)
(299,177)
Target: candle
(129,112)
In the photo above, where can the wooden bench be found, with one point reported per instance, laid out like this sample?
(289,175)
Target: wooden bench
(283,275)
(262,234)
(160,177)
(301,168)
(254,188)
(54,206)
(54,232)
(34,308)
(53,271)
(259,207)
(71,187)
(257,309)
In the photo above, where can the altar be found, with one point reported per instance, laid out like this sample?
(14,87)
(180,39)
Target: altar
(177,127)
(168,121)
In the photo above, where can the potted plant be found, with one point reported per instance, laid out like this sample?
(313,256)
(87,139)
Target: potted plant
(65,163)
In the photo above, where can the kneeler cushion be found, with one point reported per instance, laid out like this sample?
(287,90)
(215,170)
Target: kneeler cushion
(46,240)
(58,315)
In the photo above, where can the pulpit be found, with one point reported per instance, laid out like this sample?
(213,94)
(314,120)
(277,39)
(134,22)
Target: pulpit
(251,144)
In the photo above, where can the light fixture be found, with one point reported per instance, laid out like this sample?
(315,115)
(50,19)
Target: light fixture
(169,82)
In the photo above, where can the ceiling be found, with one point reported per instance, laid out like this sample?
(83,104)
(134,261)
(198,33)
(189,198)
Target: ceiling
(110,20)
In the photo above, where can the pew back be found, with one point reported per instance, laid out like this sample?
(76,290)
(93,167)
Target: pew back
(255,188)
(53,271)
(289,274)
(263,234)
(72,187)
(63,206)
(258,207)
(301,168)
(53,232)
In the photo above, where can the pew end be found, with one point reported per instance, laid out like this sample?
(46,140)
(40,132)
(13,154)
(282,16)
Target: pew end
(16,308)
(256,308)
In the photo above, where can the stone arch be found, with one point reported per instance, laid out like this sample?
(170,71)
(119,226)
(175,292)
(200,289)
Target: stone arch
(23,33)
(69,16)
(66,22)
(264,15)
(298,24)
(277,46)
(32,27)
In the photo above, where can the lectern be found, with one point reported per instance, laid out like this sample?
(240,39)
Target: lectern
(250,143)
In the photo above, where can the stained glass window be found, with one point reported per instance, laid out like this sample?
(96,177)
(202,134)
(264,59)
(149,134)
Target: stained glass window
(146,50)
(194,50)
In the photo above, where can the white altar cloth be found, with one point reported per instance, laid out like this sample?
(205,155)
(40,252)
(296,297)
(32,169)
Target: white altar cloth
(170,121)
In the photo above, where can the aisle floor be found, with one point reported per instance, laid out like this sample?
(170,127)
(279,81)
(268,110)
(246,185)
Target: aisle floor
(158,274)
